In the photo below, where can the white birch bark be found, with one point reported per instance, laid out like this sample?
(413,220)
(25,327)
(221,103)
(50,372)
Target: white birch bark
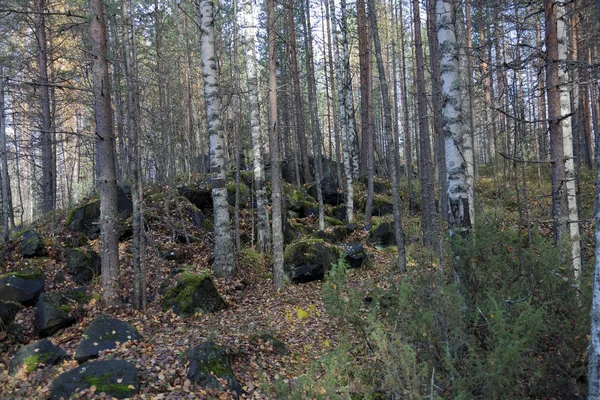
(4,161)
(249,22)
(224,262)
(567,132)
(594,348)
(342,73)
(456,165)
(465,105)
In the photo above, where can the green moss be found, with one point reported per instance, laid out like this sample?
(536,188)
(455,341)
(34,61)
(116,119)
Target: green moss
(301,245)
(25,275)
(333,221)
(244,190)
(32,362)
(217,367)
(103,384)
(71,214)
(181,294)
(66,309)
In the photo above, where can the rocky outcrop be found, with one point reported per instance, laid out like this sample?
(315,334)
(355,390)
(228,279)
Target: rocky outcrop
(308,259)
(193,292)
(53,313)
(210,365)
(32,245)
(36,355)
(116,378)
(83,264)
(24,288)
(103,334)
(8,311)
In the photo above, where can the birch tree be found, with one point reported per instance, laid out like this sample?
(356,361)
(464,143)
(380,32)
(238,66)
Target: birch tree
(4,158)
(456,165)
(224,262)
(106,155)
(278,274)
(567,138)
(249,22)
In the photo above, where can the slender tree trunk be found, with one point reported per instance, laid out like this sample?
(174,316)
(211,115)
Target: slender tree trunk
(250,22)
(4,157)
(342,75)
(541,93)
(557,155)
(459,219)
(425,162)
(300,131)
(106,155)
(224,262)
(567,139)
(275,160)
(393,151)
(365,64)
(314,110)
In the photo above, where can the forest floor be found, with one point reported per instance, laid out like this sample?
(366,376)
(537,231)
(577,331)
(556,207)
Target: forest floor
(294,316)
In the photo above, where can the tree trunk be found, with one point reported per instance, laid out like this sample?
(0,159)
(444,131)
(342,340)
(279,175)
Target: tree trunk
(275,159)
(224,262)
(426,167)
(106,155)
(393,151)
(557,155)
(4,158)
(567,139)
(300,131)
(249,22)
(365,64)
(459,219)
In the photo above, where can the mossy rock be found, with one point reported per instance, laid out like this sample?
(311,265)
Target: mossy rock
(382,205)
(295,198)
(355,255)
(103,334)
(294,229)
(36,355)
(53,313)
(8,311)
(244,193)
(308,259)
(208,362)
(32,245)
(192,293)
(331,192)
(117,378)
(83,264)
(23,287)
(382,235)
(333,235)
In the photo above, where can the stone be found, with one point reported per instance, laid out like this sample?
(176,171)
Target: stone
(333,235)
(330,190)
(308,260)
(24,288)
(33,245)
(8,311)
(116,378)
(36,355)
(208,362)
(103,334)
(193,292)
(83,264)
(382,235)
(356,256)
(382,206)
(53,313)
(199,195)
(85,218)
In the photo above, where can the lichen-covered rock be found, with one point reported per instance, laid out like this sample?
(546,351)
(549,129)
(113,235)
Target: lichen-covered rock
(53,313)
(8,311)
(24,288)
(308,259)
(85,218)
(209,362)
(83,264)
(103,334)
(193,292)
(36,355)
(33,245)
(117,378)
(382,235)
(356,256)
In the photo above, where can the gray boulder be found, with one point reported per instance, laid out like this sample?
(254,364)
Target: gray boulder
(116,378)
(332,194)
(356,256)
(33,245)
(83,264)
(24,288)
(85,218)
(8,311)
(103,334)
(209,362)
(53,314)
(193,292)
(308,259)
(382,235)
(36,355)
